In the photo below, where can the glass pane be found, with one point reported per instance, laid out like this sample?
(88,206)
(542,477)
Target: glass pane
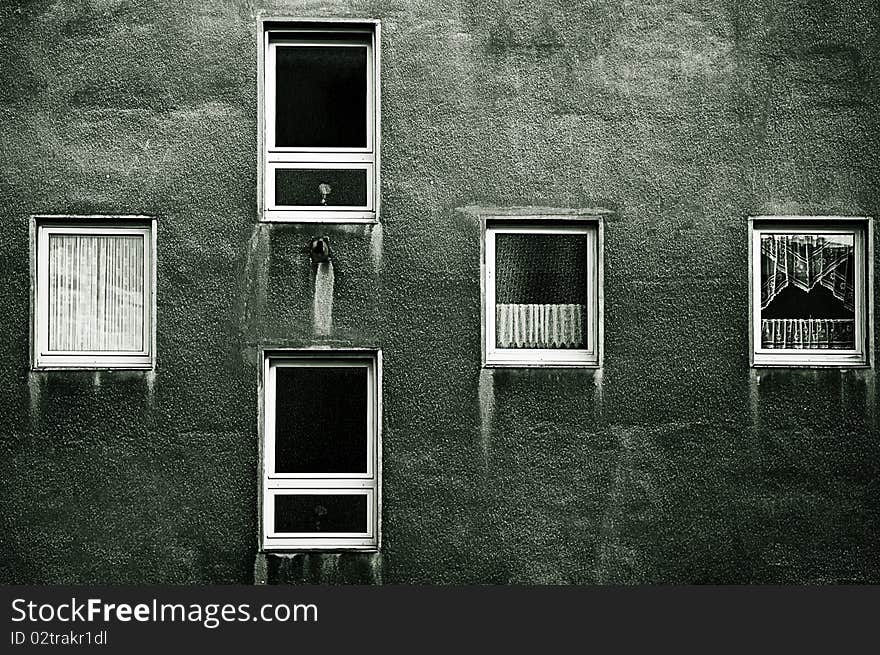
(334,187)
(321,96)
(321,513)
(321,419)
(541,290)
(808,291)
(96,293)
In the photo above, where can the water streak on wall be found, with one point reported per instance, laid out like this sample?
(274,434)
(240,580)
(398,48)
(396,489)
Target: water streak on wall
(376,246)
(486,393)
(322,309)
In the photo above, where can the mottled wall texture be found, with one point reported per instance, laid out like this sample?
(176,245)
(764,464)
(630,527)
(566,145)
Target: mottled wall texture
(674,463)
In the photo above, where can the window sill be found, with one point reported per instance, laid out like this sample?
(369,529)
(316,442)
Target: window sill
(339,217)
(789,360)
(292,552)
(810,365)
(550,364)
(94,367)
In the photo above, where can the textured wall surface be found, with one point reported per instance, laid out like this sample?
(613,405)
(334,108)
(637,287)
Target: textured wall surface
(675,463)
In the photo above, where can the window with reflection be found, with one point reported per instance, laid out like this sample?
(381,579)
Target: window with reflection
(809,291)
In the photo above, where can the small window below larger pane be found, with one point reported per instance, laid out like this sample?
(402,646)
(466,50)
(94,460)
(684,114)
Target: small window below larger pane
(320,110)
(317,513)
(94,295)
(809,292)
(541,294)
(321,450)
(341,187)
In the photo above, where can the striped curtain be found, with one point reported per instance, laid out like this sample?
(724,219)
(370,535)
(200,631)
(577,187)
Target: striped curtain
(800,333)
(540,326)
(96,293)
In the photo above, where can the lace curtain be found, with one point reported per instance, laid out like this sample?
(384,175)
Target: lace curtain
(541,290)
(801,333)
(805,261)
(822,268)
(540,326)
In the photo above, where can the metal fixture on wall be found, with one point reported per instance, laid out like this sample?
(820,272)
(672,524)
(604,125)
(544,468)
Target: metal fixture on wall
(319,249)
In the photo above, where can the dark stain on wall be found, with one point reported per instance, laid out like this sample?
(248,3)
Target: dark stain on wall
(675,463)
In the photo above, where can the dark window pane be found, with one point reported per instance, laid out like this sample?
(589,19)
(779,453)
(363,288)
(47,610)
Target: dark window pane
(541,268)
(321,513)
(321,419)
(329,186)
(321,96)
(808,291)
(541,290)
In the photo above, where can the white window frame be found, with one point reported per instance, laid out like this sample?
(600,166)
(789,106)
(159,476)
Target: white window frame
(42,227)
(862,230)
(367,484)
(593,228)
(279,32)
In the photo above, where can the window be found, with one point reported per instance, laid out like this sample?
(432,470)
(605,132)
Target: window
(94,303)
(810,291)
(321,108)
(321,458)
(542,281)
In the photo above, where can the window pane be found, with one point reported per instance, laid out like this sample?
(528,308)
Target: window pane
(541,291)
(321,96)
(96,293)
(326,186)
(321,513)
(321,419)
(808,291)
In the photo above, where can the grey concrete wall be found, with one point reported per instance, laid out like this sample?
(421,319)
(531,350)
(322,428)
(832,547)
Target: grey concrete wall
(675,463)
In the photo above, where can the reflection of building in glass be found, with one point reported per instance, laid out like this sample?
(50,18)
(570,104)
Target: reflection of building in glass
(807,291)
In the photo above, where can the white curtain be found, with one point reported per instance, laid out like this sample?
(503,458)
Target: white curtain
(96,292)
(540,326)
(799,333)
